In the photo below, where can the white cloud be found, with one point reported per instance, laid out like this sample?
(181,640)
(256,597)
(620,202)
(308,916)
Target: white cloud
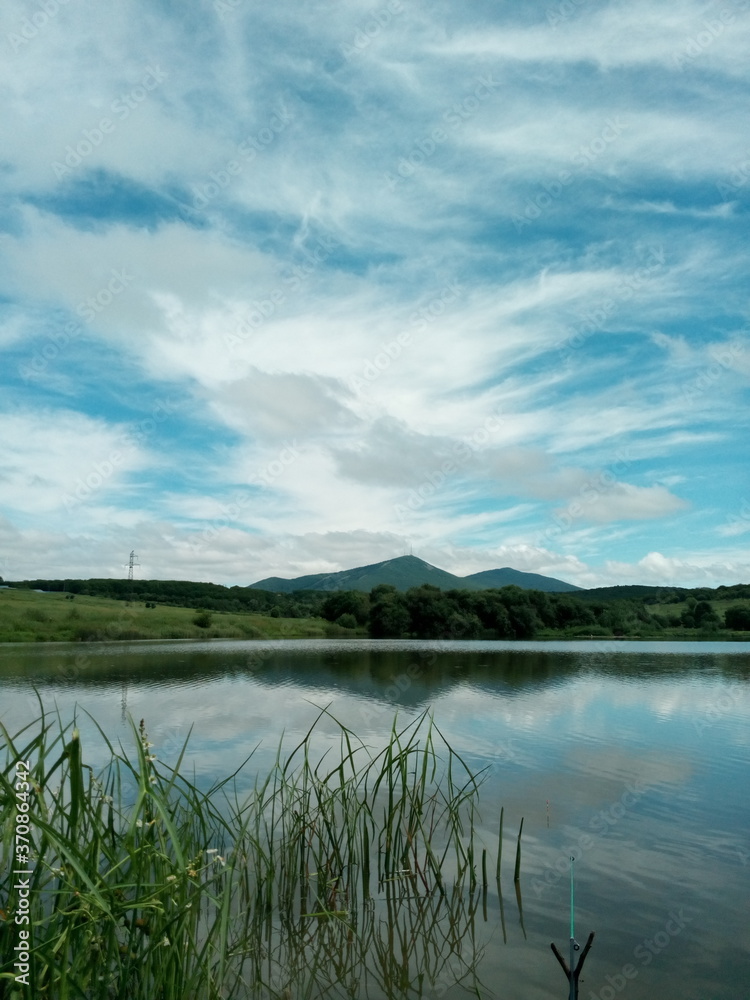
(232,556)
(284,406)
(625,502)
(349,305)
(55,461)
(736,522)
(700,569)
(612,35)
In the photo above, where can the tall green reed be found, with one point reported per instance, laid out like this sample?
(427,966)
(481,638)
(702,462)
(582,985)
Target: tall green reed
(145,886)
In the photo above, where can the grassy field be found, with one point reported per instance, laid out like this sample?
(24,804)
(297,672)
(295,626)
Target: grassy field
(642,630)
(719,607)
(27,616)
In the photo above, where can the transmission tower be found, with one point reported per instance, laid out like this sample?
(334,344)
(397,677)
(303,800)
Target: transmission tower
(133,562)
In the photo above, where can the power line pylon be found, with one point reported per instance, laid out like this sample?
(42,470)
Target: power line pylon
(133,562)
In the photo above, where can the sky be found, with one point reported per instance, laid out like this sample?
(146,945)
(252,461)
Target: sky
(292,288)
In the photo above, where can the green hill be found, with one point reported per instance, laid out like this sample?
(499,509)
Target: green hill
(507,577)
(278,585)
(404,572)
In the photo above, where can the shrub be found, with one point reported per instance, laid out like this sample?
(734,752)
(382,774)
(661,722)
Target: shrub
(738,617)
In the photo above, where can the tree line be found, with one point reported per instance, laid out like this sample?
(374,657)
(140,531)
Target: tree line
(426,612)
(510,612)
(187,594)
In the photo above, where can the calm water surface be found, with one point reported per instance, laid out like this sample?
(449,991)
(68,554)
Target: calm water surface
(631,756)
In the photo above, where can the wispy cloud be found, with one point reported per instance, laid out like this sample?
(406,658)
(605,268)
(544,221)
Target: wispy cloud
(331,283)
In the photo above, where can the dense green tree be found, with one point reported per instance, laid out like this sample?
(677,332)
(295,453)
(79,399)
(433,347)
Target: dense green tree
(430,611)
(506,612)
(702,594)
(346,620)
(544,607)
(522,615)
(570,613)
(705,617)
(346,602)
(738,617)
(613,618)
(523,620)
(464,625)
(491,610)
(389,615)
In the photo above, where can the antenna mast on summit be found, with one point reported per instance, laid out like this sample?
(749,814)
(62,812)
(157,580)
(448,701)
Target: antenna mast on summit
(133,562)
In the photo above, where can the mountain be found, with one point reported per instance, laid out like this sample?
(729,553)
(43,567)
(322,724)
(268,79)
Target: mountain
(409,571)
(506,576)
(402,572)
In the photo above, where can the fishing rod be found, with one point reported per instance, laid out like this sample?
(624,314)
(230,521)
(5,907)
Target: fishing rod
(573,970)
(574,945)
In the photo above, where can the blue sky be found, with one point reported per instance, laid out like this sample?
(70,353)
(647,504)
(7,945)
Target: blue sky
(292,288)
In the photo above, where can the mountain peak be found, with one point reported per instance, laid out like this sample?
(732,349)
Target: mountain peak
(403,572)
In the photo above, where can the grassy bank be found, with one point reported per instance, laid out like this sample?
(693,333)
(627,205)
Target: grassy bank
(28,616)
(142,886)
(644,634)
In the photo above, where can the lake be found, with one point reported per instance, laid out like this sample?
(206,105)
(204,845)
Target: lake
(632,757)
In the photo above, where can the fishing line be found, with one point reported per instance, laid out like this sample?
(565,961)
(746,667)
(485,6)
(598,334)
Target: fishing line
(572,928)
